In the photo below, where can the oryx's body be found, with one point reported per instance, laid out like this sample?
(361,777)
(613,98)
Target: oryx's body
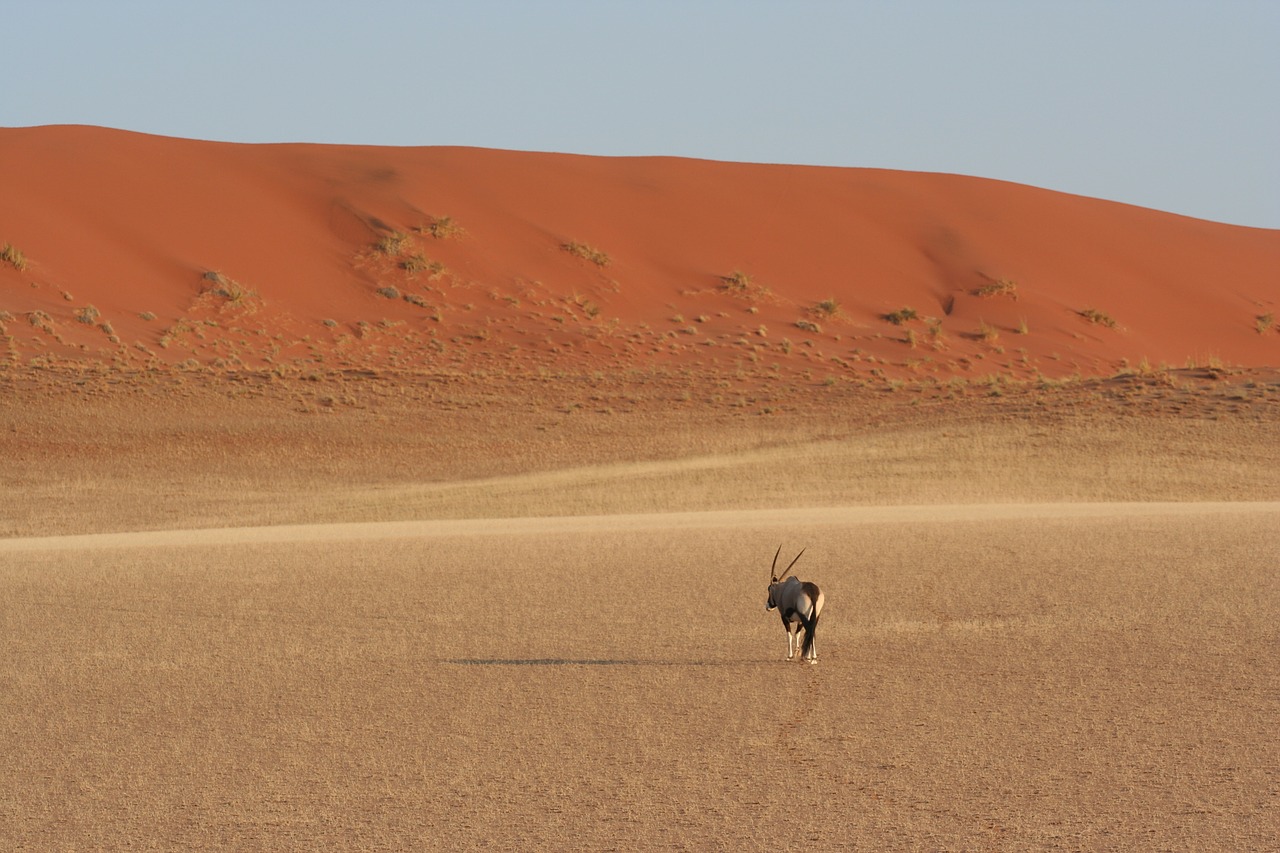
(799,603)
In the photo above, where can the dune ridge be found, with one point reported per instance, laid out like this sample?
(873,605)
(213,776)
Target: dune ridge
(137,250)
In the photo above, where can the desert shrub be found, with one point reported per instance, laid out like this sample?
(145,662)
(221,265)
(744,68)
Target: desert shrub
(826,308)
(87,315)
(808,326)
(415,263)
(1264,322)
(587,253)
(737,282)
(13,256)
(226,288)
(415,299)
(41,321)
(1000,287)
(1098,318)
(391,244)
(936,336)
(389,291)
(901,316)
(987,333)
(443,227)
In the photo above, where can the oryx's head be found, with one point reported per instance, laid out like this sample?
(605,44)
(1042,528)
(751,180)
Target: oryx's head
(776,580)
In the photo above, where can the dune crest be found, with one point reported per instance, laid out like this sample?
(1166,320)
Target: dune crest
(138,250)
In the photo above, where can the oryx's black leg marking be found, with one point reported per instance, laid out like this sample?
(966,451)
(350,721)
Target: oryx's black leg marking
(810,624)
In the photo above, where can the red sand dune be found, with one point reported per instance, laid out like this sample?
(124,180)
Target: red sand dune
(135,227)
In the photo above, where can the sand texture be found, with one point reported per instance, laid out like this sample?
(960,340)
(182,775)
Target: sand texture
(1059,678)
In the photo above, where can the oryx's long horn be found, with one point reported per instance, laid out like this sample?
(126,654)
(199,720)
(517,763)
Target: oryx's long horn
(773,572)
(793,562)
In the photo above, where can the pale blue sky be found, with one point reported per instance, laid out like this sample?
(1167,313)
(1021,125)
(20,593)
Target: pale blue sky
(1162,103)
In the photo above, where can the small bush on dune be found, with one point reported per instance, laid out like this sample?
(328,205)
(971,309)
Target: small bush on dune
(391,244)
(901,316)
(1098,318)
(826,308)
(937,337)
(13,256)
(1000,287)
(41,321)
(1264,323)
(737,282)
(587,253)
(227,288)
(414,263)
(443,227)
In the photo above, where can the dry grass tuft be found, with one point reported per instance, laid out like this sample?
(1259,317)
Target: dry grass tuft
(587,253)
(13,256)
(827,308)
(391,244)
(442,228)
(999,287)
(226,288)
(41,321)
(901,316)
(1098,318)
(740,284)
(937,337)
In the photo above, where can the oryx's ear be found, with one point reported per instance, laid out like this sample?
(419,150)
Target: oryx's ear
(773,571)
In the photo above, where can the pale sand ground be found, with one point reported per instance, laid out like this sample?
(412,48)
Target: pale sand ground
(470,619)
(1092,676)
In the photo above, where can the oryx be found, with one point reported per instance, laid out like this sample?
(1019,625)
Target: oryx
(799,604)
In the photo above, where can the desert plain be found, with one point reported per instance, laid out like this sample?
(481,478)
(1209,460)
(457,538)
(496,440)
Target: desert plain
(426,498)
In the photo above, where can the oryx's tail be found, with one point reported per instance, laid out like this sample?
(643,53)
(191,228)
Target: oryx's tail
(811,623)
